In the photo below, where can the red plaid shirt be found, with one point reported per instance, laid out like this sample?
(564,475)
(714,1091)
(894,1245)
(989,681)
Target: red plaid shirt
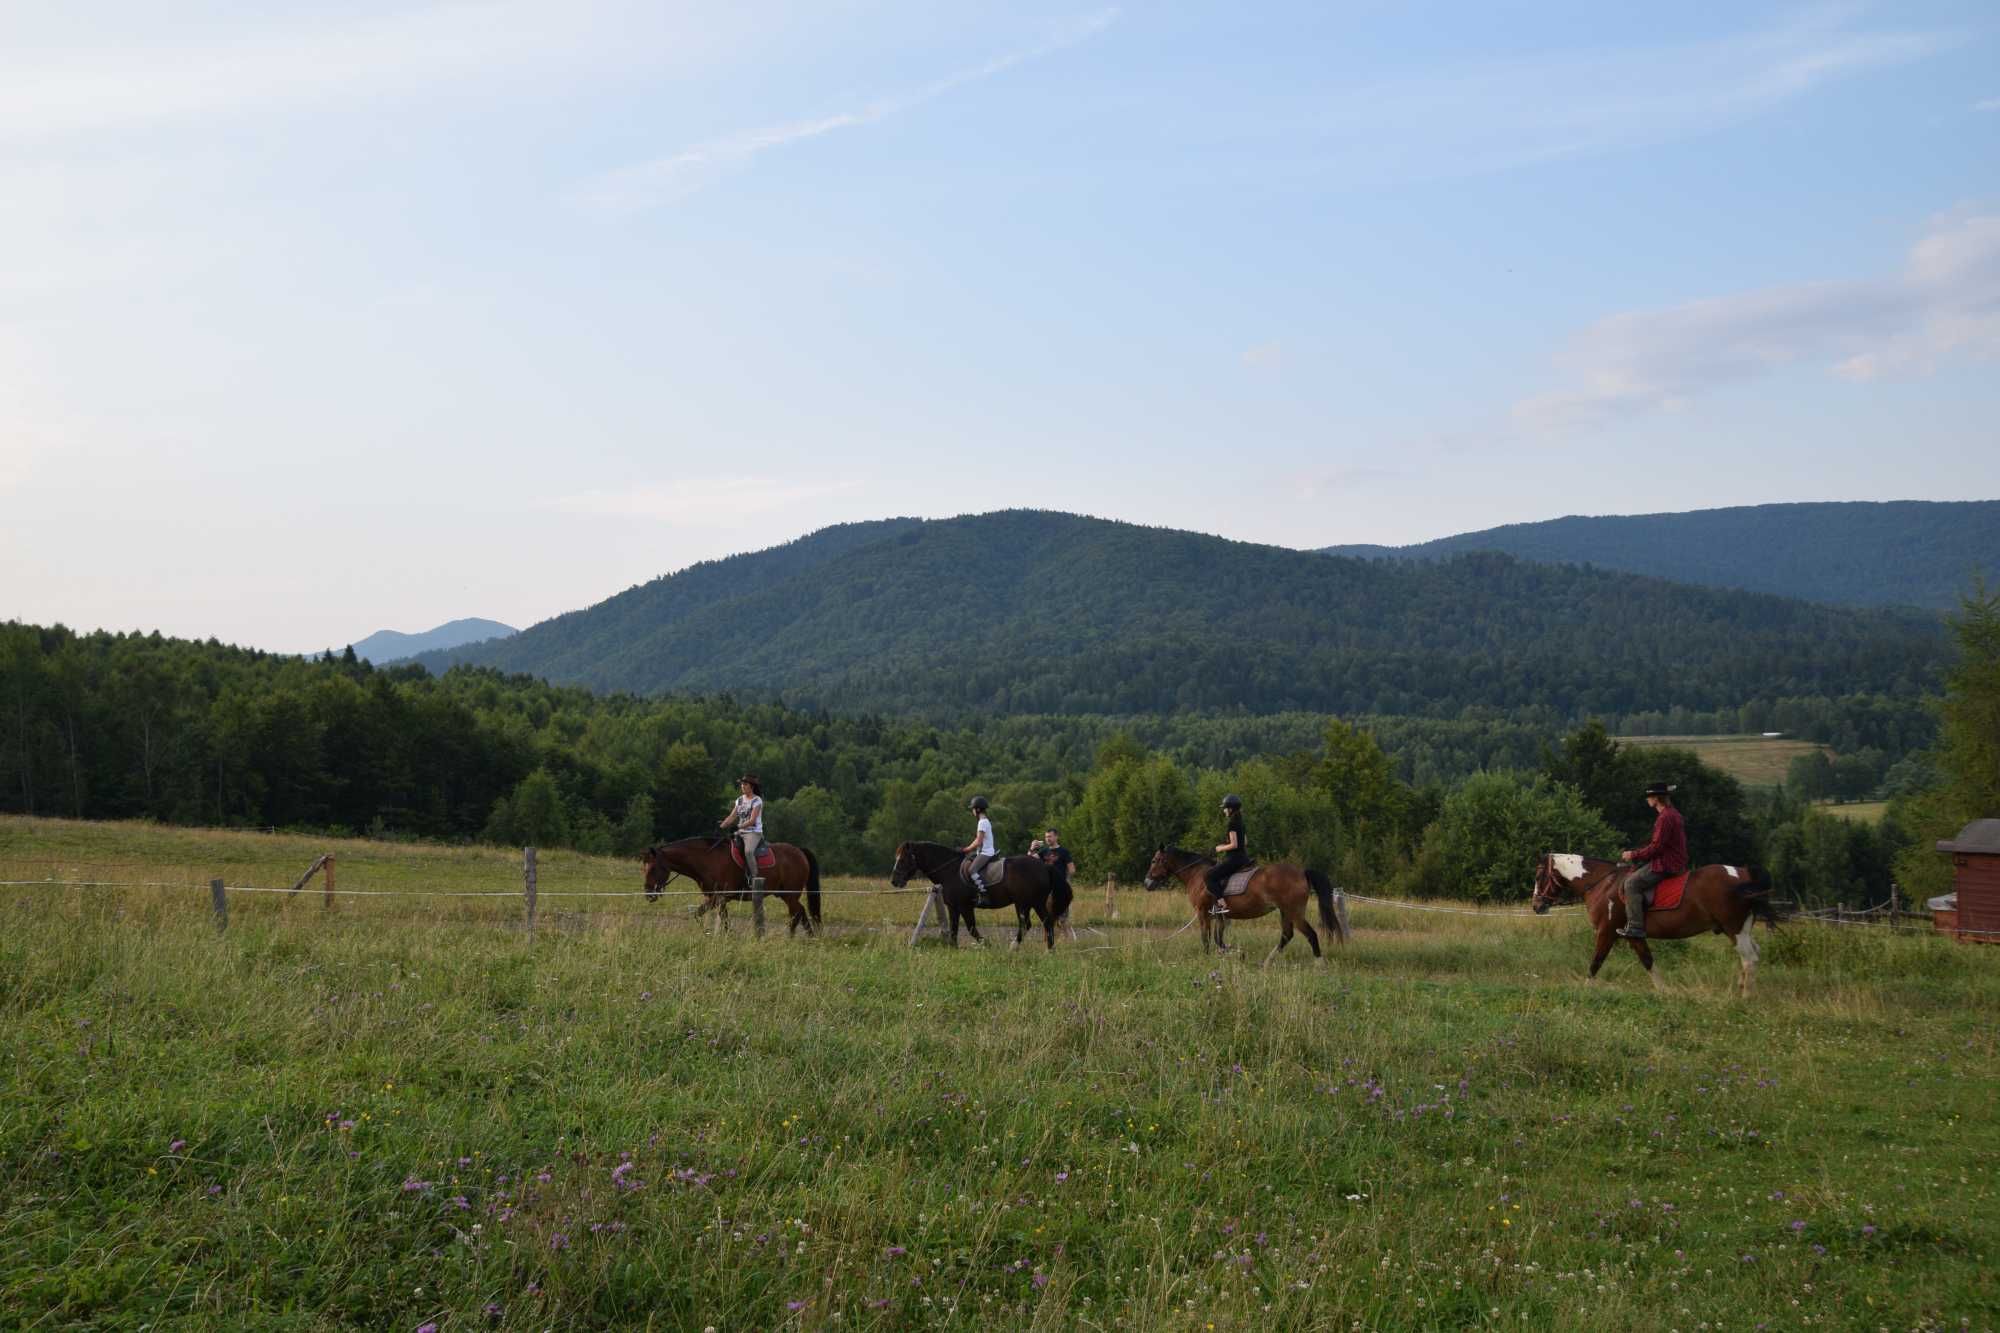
(1668,851)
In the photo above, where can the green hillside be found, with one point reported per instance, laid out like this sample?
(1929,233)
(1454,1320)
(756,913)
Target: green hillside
(1860,553)
(1027,611)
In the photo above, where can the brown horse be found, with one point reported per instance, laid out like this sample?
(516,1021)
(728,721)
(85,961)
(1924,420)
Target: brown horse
(708,863)
(1278,886)
(1723,899)
(1030,884)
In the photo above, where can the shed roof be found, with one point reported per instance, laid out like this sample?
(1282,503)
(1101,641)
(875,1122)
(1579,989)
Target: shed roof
(1980,836)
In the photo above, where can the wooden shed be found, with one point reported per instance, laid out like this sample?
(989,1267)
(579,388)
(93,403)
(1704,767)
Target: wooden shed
(1975,859)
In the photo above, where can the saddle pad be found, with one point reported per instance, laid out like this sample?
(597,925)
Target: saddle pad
(996,871)
(1667,893)
(1239,881)
(766,858)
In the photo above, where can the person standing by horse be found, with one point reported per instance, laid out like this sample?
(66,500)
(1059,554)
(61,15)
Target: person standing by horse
(1665,855)
(1053,854)
(747,817)
(1234,849)
(981,850)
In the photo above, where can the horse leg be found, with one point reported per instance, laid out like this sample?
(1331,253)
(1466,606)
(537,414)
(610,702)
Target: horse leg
(1604,939)
(1048,922)
(1646,957)
(1746,949)
(1020,924)
(1312,938)
(1284,938)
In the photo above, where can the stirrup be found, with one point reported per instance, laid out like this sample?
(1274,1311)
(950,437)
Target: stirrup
(1628,931)
(1221,907)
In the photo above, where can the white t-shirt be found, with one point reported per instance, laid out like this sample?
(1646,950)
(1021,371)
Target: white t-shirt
(750,814)
(985,836)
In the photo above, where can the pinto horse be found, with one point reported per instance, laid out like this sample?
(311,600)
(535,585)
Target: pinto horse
(1719,898)
(1030,884)
(707,861)
(1277,886)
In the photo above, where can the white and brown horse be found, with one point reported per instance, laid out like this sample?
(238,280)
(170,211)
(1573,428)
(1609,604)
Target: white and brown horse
(1720,898)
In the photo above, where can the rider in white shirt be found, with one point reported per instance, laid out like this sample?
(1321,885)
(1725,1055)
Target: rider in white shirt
(980,849)
(747,816)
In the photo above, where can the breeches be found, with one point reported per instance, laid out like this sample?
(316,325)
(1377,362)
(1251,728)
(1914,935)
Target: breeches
(752,842)
(1218,878)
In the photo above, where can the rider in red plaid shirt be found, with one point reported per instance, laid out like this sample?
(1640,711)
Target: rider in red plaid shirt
(1665,855)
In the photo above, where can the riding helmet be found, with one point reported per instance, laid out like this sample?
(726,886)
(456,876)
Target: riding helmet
(1232,802)
(977,803)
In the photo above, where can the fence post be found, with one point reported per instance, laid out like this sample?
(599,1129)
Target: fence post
(221,904)
(329,883)
(528,874)
(1110,901)
(924,916)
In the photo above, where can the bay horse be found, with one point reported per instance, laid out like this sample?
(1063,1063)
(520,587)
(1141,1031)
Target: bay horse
(707,862)
(1274,886)
(1030,884)
(1720,898)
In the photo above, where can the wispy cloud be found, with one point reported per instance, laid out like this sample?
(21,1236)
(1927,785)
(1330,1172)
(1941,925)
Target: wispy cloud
(1988,104)
(1497,116)
(663,180)
(1945,302)
(707,502)
(1265,355)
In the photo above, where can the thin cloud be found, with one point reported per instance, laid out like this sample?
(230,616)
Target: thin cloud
(1943,304)
(1264,356)
(710,501)
(675,176)
(1484,118)
(1990,104)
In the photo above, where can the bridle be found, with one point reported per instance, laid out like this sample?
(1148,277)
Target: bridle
(1188,861)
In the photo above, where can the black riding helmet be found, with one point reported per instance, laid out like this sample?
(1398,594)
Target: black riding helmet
(977,803)
(1232,802)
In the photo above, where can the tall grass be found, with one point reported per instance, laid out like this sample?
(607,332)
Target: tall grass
(410,1111)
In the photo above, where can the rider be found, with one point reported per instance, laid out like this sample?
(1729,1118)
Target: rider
(747,815)
(1234,850)
(980,849)
(1664,856)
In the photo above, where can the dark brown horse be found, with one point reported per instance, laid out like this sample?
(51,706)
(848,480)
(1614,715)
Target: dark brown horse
(707,861)
(1274,887)
(1030,884)
(1723,899)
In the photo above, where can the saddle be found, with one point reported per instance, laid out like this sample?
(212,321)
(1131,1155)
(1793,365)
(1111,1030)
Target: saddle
(1240,881)
(766,858)
(996,872)
(1666,895)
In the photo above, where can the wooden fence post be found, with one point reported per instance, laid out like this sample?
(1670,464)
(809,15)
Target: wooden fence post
(1110,901)
(528,873)
(924,916)
(329,882)
(221,904)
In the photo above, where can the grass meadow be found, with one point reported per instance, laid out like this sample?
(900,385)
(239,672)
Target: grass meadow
(1756,761)
(410,1111)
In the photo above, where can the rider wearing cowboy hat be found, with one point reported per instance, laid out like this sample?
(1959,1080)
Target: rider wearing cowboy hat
(747,814)
(1235,852)
(1666,854)
(981,850)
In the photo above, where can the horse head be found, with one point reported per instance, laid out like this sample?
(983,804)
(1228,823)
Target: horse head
(657,872)
(1161,868)
(906,865)
(1556,876)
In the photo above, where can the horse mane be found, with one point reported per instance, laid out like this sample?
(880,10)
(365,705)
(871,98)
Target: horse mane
(1187,857)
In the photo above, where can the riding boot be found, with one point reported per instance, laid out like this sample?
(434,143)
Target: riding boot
(757,904)
(1635,914)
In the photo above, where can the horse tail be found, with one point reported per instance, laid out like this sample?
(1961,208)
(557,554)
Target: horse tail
(1323,890)
(1758,893)
(1062,896)
(812,885)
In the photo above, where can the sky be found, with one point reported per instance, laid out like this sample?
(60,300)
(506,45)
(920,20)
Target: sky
(319,319)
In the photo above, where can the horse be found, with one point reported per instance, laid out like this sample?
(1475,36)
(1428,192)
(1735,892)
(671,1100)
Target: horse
(1720,898)
(707,862)
(1277,886)
(1030,884)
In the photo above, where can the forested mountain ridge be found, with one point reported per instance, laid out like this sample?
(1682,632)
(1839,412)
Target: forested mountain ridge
(1034,612)
(1861,553)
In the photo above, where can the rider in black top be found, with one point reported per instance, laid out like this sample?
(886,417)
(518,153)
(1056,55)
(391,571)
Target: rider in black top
(1235,851)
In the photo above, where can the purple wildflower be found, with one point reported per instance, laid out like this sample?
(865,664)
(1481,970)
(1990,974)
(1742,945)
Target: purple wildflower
(795,1305)
(1062,1177)
(543,1177)
(177,1145)
(881,1304)
(430,1327)
(347,1124)
(559,1241)
(460,1202)
(1041,1279)
(1868,1230)
(492,1310)
(411,1185)
(896,1251)
(1798,1225)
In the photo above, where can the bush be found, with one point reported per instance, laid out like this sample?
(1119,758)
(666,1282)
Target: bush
(1491,830)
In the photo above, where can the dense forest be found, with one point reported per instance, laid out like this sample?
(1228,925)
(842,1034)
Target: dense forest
(1860,553)
(1026,612)
(139,726)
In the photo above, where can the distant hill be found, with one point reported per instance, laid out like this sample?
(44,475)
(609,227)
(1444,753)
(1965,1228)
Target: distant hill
(1857,553)
(387,645)
(1026,611)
